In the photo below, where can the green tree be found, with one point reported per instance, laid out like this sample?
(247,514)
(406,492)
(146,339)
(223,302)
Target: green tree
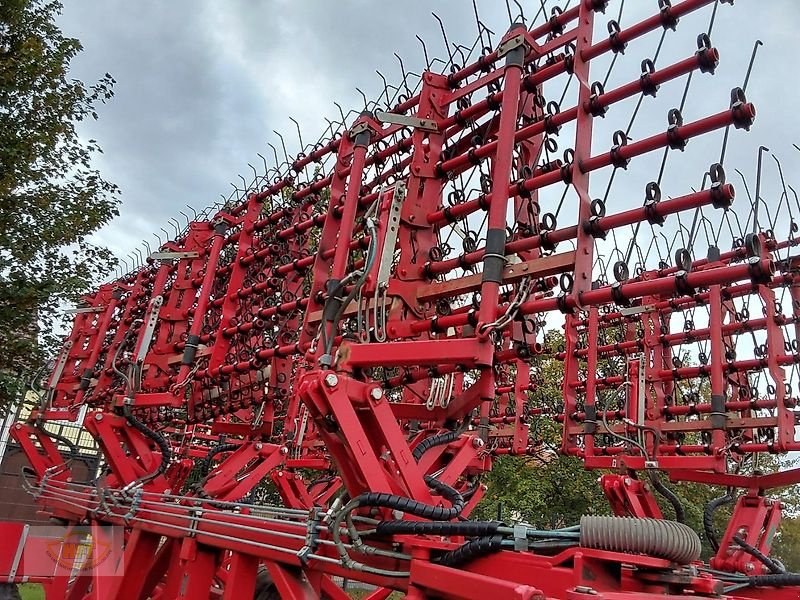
(51,197)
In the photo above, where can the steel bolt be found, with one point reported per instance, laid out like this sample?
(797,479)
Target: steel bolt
(376,393)
(98,417)
(259,445)
(477,442)
(331,380)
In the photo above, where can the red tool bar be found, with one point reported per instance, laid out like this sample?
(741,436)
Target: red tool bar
(663,19)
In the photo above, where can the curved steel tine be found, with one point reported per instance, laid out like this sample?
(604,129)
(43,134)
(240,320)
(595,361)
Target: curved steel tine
(521,16)
(185,216)
(194,212)
(176,224)
(299,136)
(424,52)
(147,245)
(364,98)
(796,198)
(166,234)
(158,237)
(123,263)
(444,35)
(244,183)
(264,160)
(255,175)
(283,145)
(508,10)
(139,255)
(134,262)
(477,20)
(761,150)
(403,72)
(341,112)
(275,152)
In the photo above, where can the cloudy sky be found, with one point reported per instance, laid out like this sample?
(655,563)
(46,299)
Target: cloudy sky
(202,84)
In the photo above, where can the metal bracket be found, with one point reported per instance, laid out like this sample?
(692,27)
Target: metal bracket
(510,44)
(407,121)
(59,368)
(149,328)
(520,537)
(636,310)
(174,255)
(84,310)
(12,572)
(194,518)
(390,239)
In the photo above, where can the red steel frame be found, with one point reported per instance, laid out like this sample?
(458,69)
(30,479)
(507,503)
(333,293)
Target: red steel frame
(321,333)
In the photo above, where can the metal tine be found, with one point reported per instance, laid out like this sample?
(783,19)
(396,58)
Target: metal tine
(364,98)
(402,72)
(297,126)
(185,216)
(147,245)
(341,112)
(283,145)
(385,89)
(759,170)
(139,254)
(158,237)
(521,15)
(424,52)
(255,176)
(174,222)
(194,212)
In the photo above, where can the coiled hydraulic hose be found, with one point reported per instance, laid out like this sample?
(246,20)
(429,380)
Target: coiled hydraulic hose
(471,550)
(160,440)
(434,441)
(462,528)
(708,518)
(654,537)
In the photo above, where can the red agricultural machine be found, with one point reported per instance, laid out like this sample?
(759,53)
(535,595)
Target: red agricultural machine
(364,326)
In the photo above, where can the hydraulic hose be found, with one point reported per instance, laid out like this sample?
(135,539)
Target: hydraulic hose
(160,440)
(670,496)
(708,518)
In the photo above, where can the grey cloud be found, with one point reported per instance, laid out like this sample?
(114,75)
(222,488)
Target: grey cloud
(201,85)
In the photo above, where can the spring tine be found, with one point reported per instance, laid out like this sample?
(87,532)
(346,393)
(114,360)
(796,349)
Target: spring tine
(761,150)
(756,45)
(444,36)
(424,53)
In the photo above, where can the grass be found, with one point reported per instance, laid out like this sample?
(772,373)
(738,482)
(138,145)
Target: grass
(31,591)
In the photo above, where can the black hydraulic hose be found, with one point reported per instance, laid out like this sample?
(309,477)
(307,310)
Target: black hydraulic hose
(472,489)
(670,496)
(462,528)
(59,438)
(708,518)
(759,556)
(471,550)
(418,509)
(160,440)
(205,465)
(434,441)
(775,580)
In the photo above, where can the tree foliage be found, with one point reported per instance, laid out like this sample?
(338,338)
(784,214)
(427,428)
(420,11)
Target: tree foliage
(51,196)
